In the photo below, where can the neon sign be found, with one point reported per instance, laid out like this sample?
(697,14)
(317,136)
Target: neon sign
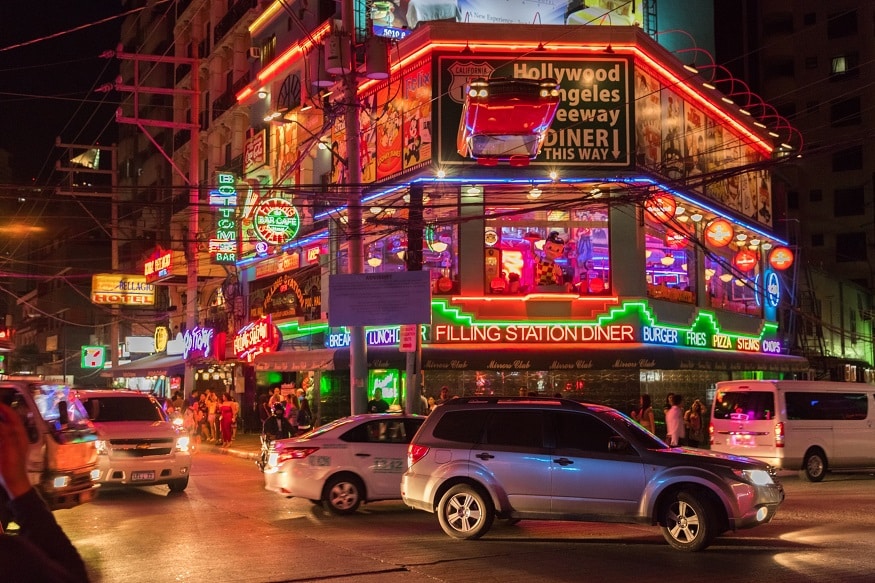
(276,221)
(158,267)
(198,341)
(223,247)
(541,333)
(256,338)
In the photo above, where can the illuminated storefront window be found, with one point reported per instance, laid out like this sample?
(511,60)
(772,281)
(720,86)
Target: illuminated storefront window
(669,262)
(388,252)
(562,250)
(732,280)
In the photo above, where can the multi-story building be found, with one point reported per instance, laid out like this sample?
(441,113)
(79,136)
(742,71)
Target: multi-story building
(809,59)
(656,193)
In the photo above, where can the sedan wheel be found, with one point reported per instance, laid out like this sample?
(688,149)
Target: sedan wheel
(343,495)
(687,524)
(464,513)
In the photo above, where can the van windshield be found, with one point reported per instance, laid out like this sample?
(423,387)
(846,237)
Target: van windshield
(48,399)
(744,405)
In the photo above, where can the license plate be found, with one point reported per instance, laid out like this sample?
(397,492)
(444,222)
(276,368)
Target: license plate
(743,440)
(142,476)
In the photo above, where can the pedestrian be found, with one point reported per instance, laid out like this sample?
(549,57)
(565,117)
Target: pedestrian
(644,414)
(235,411)
(694,423)
(377,404)
(292,410)
(263,409)
(674,422)
(305,417)
(276,397)
(227,420)
(41,551)
(277,426)
(444,395)
(191,418)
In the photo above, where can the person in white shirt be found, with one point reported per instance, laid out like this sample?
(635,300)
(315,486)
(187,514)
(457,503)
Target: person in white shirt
(674,422)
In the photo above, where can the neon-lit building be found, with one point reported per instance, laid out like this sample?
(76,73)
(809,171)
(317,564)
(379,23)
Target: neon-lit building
(654,194)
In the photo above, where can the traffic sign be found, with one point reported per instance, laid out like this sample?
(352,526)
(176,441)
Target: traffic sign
(93,356)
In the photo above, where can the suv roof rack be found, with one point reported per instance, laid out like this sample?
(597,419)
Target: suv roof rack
(497,400)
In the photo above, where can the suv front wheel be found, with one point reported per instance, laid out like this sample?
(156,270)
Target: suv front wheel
(688,523)
(465,513)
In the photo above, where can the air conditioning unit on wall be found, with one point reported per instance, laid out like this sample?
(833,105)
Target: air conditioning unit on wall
(254,52)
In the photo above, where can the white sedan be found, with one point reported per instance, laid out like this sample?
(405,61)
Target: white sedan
(349,461)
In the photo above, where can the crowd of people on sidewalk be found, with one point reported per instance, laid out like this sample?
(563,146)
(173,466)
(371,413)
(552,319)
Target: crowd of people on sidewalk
(206,416)
(285,415)
(682,427)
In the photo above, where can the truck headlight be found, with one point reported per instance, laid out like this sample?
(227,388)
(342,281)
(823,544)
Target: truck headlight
(182,443)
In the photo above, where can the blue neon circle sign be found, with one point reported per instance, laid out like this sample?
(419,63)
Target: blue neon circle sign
(773,289)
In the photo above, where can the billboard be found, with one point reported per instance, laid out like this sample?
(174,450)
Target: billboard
(396,18)
(120,289)
(593,120)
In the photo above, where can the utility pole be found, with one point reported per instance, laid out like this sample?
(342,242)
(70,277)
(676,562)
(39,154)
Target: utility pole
(358,359)
(193,177)
(114,339)
(414,263)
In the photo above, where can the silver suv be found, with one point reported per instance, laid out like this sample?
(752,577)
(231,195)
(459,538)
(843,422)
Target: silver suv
(478,458)
(138,445)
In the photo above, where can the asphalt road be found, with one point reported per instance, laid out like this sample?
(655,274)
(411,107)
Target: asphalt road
(226,527)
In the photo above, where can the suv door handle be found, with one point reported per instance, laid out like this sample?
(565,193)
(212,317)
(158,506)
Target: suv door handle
(363,455)
(485,456)
(563,461)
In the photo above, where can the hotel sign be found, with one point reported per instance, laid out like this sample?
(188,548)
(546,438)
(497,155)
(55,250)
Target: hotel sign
(159,266)
(124,290)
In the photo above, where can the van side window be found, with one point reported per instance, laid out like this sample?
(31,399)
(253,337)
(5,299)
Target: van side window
(744,405)
(827,406)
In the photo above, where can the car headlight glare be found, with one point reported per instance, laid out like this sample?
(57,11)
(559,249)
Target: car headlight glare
(182,443)
(756,477)
(102,447)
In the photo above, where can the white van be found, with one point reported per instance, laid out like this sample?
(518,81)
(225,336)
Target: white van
(812,426)
(62,457)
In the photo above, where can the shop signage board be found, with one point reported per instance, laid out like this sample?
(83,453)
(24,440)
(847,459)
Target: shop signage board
(223,200)
(159,266)
(379,299)
(121,289)
(593,121)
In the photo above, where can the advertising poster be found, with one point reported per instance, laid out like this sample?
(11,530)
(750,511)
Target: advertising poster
(417,116)
(388,124)
(672,134)
(648,119)
(338,150)
(695,152)
(396,18)
(367,138)
(287,148)
(592,123)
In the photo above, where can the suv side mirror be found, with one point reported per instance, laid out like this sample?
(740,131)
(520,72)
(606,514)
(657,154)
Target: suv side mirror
(617,444)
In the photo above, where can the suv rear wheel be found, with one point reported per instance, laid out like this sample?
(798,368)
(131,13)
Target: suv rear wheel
(688,523)
(465,513)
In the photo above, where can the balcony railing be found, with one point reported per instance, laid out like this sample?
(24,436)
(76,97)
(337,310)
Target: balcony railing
(223,103)
(234,14)
(241,83)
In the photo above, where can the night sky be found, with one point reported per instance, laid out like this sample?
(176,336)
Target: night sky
(46,88)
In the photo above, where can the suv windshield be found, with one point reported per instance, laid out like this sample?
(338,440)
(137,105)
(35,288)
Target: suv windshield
(122,409)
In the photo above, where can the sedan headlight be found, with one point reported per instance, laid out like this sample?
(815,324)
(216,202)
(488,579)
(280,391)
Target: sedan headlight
(756,477)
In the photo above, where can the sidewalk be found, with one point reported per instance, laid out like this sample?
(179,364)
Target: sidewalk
(245,445)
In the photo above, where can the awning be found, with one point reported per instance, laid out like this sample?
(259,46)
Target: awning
(152,365)
(297,360)
(540,357)
(572,358)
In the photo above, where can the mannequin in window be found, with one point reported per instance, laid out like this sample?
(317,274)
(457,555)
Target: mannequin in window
(547,271)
